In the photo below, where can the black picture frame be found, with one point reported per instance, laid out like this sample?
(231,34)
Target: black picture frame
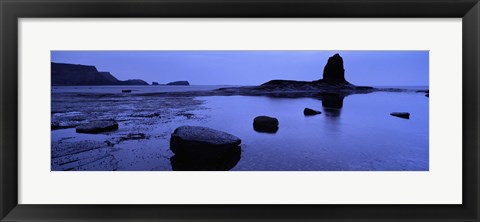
(12,10)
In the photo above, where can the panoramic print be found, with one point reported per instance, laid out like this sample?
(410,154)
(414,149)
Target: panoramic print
(240,110)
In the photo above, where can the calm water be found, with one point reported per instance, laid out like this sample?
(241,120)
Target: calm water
(352,133)
(135,89)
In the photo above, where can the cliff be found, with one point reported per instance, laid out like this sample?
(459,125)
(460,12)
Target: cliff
(76,75)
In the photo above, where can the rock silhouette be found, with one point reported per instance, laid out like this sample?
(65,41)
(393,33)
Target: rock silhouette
(334,73)
(310,112)
(404,115)
(178,83)
(63,74)
(333,82)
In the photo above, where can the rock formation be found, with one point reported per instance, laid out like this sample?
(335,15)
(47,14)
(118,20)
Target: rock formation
(179,83)
(404,115)
(334,73)
(333,81)
(63,74)
(310,112)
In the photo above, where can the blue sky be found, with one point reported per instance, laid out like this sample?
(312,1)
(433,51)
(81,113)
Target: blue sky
(372,68)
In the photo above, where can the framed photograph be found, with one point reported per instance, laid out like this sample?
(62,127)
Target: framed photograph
(225,110)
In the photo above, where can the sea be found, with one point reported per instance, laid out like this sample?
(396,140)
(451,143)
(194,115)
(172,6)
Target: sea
(353,133)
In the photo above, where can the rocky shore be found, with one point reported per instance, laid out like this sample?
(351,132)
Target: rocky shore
(117,121)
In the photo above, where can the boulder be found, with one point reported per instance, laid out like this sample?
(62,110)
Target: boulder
(126,91)
(334,73)
(198,143)
(404,115)
(310,112)
(97,126)
(155,84)
(265,124)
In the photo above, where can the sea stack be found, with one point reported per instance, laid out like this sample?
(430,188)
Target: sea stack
(334,73)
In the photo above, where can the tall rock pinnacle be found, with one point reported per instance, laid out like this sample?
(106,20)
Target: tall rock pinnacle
(334,73)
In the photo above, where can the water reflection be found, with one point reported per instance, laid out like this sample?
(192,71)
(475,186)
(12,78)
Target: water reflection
(224,162)
(332,104)
(263,129)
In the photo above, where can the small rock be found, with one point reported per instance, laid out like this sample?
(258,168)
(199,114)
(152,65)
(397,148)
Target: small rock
(200,143)
(265,124)
(97,126)
(126,91)
(310,112)
(404,115)
(427,95)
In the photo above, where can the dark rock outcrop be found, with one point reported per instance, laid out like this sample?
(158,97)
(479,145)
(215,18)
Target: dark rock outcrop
(265,124)
(199,144)
(77,75)
(333,72)
(310,112)
(155,84)
(178,83)
(133,82)
(126,90)
(97,126)
(404,115)
(333,82)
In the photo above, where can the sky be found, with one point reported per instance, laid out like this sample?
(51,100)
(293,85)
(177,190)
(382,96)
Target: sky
(244,67)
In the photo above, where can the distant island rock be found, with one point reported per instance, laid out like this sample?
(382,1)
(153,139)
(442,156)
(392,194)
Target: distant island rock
(178,83)
(333,78)
(155,84)
(333,82)
(64,74)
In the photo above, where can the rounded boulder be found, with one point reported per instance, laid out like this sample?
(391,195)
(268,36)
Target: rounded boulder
(196,142)
(265,124)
